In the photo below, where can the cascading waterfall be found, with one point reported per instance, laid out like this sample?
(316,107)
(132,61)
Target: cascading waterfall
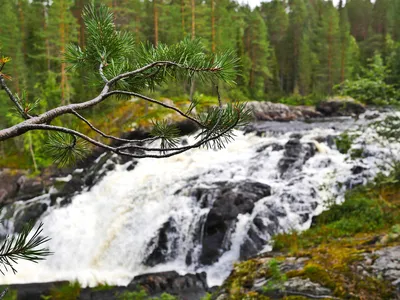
(159,215)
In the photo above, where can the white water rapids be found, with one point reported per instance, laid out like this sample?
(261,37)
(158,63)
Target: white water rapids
(102,236)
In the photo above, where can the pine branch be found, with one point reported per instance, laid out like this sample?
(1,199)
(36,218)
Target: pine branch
(125,69)
(23,246)
(18,106)
(152,139)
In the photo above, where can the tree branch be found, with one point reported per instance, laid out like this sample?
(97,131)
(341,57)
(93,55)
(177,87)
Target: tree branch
(119,92)
(13,99)
(111,136)
(161,64)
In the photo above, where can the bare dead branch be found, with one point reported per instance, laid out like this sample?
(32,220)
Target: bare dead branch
(42,121)
(152,139)
(119,92)
(101,72)
(13,99)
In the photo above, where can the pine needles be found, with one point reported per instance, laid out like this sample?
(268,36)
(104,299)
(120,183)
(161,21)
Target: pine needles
(23,246)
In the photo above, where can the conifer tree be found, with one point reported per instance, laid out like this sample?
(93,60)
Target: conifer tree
(328,48)
(258,51)
(62,30)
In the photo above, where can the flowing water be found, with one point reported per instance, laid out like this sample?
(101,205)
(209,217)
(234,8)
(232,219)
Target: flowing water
(106,233)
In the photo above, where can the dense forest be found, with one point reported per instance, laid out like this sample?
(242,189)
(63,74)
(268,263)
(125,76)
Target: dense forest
(296,51)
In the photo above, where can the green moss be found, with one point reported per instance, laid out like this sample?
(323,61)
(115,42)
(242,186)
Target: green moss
(141,294)
(10,295)
(69,291)
(103,287)
(344,141)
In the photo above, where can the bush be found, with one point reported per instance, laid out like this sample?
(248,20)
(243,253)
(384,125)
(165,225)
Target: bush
(371,88)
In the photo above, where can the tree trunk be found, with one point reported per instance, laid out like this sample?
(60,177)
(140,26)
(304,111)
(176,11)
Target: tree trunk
(155,13)
(183,17)
(213,26)
(62,51)
(193,20)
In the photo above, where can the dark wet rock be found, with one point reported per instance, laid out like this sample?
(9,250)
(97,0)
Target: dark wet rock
(295,155)
(231,200)
(35,291)
(30,213)
(296,136)
(372,116)
(163,246)
(189,286)
(340,107)
(272,147)
(358,170)
(293,148)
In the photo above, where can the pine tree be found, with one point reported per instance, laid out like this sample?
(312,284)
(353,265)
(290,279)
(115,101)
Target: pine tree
(274,14)
(62,30)
(258,50)
(328,49)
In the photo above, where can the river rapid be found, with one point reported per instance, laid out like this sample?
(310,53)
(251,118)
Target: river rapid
(201,210)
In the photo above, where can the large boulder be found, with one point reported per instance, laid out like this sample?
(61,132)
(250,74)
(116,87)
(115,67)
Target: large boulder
(340,107)
(163,247)
(189,286)
(295,155)
(232,199)
(268,111)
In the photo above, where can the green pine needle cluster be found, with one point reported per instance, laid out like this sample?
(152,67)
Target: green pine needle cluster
(23,246)
(219,123)
(167,133)
(65,149)
(117,53)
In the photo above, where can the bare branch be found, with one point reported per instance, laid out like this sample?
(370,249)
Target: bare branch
(160,64)
(119,92)
(13,99)
(152,139)
(101,67)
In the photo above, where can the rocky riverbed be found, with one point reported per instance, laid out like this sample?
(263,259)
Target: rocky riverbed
(214,209)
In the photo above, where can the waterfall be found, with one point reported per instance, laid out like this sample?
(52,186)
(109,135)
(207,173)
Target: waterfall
(153,217)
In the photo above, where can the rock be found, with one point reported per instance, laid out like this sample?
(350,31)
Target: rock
(372,116)
(189,286)
(232,199)
(9,186)
(295,155)
(340,107)
(163,246)
(29,188)
(30,213)
(268,111)
(387,265)
(35,291)
(298,286)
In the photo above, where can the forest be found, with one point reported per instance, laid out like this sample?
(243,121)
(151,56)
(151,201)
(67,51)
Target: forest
(295,52)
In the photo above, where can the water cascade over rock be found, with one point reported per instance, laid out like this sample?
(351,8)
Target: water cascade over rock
(197,212)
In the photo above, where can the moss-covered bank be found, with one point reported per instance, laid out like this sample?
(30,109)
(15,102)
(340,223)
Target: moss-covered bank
(341,257)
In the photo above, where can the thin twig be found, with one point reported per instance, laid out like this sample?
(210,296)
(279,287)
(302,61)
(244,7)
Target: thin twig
(102,73)
(13,99)
(160,64)
(3,293)
(152,139)
(119,92)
